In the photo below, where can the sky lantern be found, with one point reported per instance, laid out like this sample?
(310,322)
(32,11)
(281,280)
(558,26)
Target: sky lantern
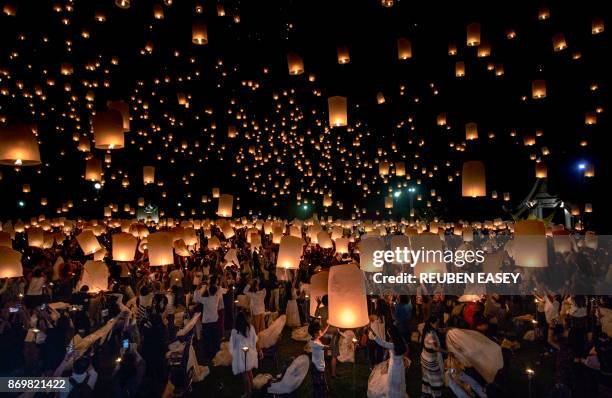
(342,245)
(289,252)
(459,69)
(337,111)
(538,89)
(473,34)
(124,246)
(383,168)
(400,169)
(295,64)
(471,131)
(213,243)
(343,55)
(473,182)
(199,33)
(5,239)
(18,146)
(404,49)
(159,247)
(95,276)
(388,202)
(484,50)
(441,119)
(226,203)
(108,130)
(597,26)
(216,192)
(10,263)
(589,170)
(559,42)
(318,288)
(540,170)
(93,169)
(35,237)
(367,247)
(324,241)
(347,301)
(88,242)
(148,175)
(529,248)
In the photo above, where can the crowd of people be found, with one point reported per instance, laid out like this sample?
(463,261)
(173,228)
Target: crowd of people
(47,316)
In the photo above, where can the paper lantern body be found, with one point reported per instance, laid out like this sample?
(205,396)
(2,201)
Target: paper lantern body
(18,146)
(324,240)
(474,349)
(473,181)
(10,263)
(124,109)
(226,203)
(538,89)
(88,242)
(199,33)
(5,239)
(148,175)
(295,64)
(348,308)
(337,107)
(404,48)
(290,252)
(36,237)
(95,276)
(124,246)
(530,247)
(473,34)
(108,130)
(342,245)
(93,170)
(159,246)
(367,247)
(213,243)
(318,288)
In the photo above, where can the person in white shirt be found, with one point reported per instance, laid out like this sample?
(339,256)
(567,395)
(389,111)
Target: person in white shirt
(210,298)
(34,293)
(377,324)
(319,383)
(245,353)
(257,298)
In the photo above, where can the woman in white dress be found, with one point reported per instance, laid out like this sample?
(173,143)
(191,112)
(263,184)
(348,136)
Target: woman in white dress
(293,315)
(396,375)
(244,350)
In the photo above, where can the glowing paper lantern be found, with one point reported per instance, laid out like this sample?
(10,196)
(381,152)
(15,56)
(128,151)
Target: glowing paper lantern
(348,306)
(18,146)
(541,171)
(95,275)
(108,130)
(471,131)
(404,48)
(35,237)
(559,42)
(10,263)
(159,246)
(295,64)
(342,245)
(343,55)
(88,242)
(226,203)
(199,33)
(213,243)
(124,246)
(324,240)
(318,288)
(562,241)
(93,170)
(388,202)
(290,252)
(529,246)
(459,69)
(473,182)
(597,26)
(473,34)
(400,169)
(538,89)
(5,239)
(337,111)
(148,175)
(367,247)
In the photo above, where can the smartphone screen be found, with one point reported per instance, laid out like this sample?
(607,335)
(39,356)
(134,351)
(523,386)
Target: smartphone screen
(126,344)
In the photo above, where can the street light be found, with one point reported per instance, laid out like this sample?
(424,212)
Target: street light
(397,194)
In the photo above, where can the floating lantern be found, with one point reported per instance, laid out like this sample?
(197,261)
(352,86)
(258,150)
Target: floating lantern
(343,55)
(108,130)
(148,175)
(10,263)
(5,239)
(559,43)
(94,275)
(367,247)
(199,33)
(337,111)
(589,171)
(541,171)
(35,237)
(289,252)
(88,242)
(295,64)
(597,26)
(459,69)
(588,208)
(400,169)
(225,205)
(473,34)
(529,248)
(324,241)
(388,202)
(348,306)
(342,245)
(318,289)
(93,169)
(473,181)
(404,49)
(441,119)
(213,243)
(159,247)
(538,89)
(215,193)
(18,146)
(471,131)
(124,246)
